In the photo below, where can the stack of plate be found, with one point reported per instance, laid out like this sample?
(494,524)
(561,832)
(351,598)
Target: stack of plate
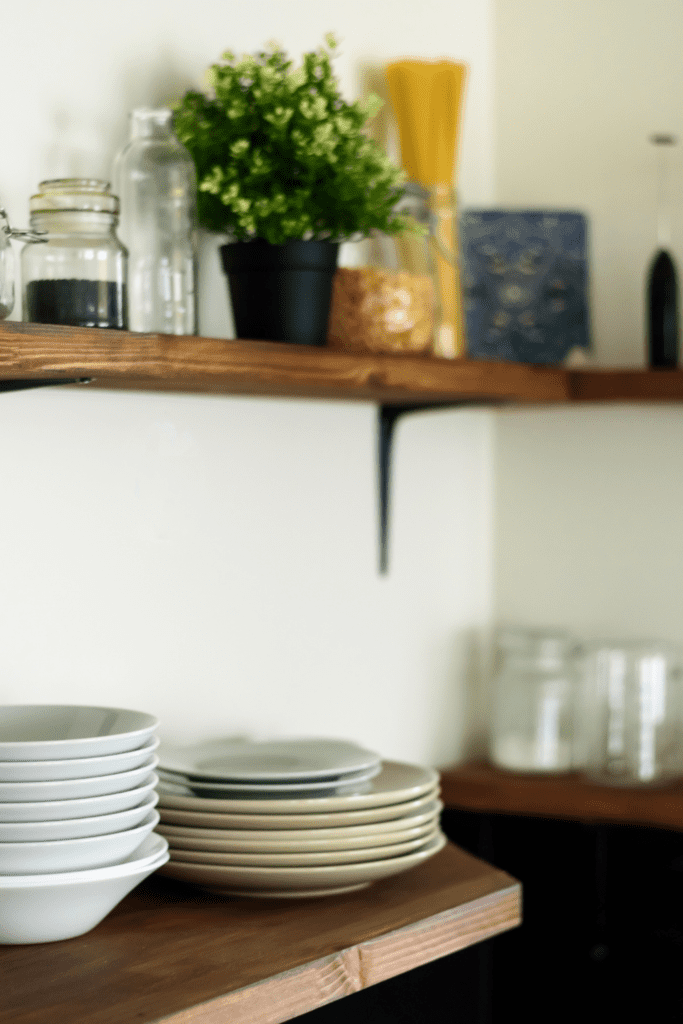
(77,809)
(293,818)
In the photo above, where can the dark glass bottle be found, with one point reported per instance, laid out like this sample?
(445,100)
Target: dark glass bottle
(662,311)
(662,280)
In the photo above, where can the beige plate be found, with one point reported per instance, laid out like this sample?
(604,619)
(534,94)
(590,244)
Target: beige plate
(395,783)
(282,894)
(301,859)
(320,879)
(381,816)
(303,841)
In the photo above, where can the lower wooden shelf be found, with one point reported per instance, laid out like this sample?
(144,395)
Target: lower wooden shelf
(481,787)
(169,952)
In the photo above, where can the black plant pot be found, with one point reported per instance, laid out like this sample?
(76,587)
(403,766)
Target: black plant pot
(281,292)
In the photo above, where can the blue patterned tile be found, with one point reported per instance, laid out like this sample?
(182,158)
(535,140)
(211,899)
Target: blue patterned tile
(525,284)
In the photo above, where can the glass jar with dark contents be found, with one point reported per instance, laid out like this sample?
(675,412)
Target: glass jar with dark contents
(74,272)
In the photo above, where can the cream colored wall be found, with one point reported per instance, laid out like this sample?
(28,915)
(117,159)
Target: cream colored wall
(588,500)
(580,88)
(213,560)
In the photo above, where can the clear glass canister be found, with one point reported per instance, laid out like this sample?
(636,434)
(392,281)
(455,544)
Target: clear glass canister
(533,700)
(155,179)
(631,713)
(75,274)
(6,267)
(8,233)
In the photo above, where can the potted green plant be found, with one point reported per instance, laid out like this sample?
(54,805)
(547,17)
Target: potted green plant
(286,170)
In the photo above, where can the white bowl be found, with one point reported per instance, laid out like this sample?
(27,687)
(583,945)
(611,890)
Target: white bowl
(47,908)
(87,807)
(82,854)
(76,768)
(74,789)
(76,828)
(50,732)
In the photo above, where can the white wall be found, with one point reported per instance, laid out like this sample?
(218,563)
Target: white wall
(587,510)
(580,88)
(214,560)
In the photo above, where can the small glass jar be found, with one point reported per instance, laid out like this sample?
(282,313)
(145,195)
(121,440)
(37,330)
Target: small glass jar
(75,274)
(533,701)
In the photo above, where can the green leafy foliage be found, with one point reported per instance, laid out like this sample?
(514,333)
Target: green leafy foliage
(280,154)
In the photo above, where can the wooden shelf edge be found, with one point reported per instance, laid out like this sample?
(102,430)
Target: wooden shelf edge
(156,362)
(288,995)
(479,787)
(170,952)
(217,365)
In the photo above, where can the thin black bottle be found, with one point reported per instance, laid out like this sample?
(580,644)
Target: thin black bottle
(662,281)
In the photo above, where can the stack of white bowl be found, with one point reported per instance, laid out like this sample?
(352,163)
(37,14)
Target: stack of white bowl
(77,813)
(293,818)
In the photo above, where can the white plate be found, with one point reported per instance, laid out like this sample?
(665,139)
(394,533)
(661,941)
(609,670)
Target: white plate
(386,815)
(395,783)
(48,908)
(181,785)
(87,807)
(74,789)
(303,859)
(288,842)
(47,732)
(270,880)
(305,759)
(76,768)
(73,854)
(76,828)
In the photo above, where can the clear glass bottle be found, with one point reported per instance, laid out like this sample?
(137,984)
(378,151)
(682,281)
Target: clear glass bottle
(155,179)
(534,701)
(74,268)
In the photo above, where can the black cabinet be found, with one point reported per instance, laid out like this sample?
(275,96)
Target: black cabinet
(602,931)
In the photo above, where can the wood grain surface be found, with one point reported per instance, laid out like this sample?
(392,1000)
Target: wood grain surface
(216,366)
(154,362)
(481,787)
(170,952)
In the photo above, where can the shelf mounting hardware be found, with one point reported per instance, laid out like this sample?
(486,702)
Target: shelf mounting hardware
(25,385)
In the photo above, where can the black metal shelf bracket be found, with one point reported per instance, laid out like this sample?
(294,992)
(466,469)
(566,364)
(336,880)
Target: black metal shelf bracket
(388,417)
(25,385)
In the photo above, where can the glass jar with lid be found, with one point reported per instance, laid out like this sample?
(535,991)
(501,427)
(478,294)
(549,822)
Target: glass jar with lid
(534,700)
(6,267)
(8,233)
(75,272)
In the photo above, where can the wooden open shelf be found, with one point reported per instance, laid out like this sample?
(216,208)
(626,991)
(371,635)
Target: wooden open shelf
(481,787)
(121,359)
(171,953)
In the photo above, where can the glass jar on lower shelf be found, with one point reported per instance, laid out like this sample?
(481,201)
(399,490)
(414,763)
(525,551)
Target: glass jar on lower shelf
(632,712)
(534,701)
(74,270)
